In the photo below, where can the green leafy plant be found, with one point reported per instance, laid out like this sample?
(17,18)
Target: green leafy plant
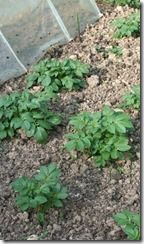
(40,192)
(130,224)
(8,109)
(28,112)
(132,99)
(116,50)
(130,3)
(126,27)
(55,75)
(102,135)
(102,50)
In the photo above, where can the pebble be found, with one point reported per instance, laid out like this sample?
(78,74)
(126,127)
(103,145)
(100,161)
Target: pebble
(23,216)
(32,238)
(99,238)
(49,228)
(113,181)
(115,174)
(110,191)
(109,208)
(83,168)
(73,57)
(56,227)
(110,222)
(120,182)
(113,232)
(77,218)
(93,81)
(74,168)
(119,8)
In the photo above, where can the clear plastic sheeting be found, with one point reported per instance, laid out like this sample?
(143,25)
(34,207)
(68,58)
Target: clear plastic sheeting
(28,28)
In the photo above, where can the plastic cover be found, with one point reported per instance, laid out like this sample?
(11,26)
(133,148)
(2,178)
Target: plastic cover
(28,28)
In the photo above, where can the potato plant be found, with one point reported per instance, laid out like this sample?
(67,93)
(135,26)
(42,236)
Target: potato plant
(130,3)
(132,98)
(102,135)
(130,224)
(128,26)
(28,112)
(56,75)
(40,192)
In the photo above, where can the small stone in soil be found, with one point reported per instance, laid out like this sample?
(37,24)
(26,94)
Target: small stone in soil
(33,238)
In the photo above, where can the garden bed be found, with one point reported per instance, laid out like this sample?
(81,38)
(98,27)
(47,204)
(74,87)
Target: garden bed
(95,195)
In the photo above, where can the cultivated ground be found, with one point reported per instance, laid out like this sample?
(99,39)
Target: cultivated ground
(94,194)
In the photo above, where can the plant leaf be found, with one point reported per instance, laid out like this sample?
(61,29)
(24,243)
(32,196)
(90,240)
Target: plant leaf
(40,199)
(71,145)
(3,134)
(41,135)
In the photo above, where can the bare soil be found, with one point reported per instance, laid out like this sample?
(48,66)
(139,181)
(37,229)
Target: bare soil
(94,194)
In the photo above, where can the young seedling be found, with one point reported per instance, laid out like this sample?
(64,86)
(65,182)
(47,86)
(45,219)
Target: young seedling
(126,27)
(40,192)
(102,50)
(116,50)
(132,99)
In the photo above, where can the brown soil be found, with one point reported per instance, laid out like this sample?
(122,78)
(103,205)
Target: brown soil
(94,194)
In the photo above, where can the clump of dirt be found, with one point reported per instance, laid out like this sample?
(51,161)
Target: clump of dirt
(94,194)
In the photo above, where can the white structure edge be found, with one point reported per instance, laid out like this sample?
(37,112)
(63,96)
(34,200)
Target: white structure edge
(59,20)
(93,3)
(12,51)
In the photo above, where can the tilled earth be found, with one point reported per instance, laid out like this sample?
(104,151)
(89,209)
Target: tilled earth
(94,194)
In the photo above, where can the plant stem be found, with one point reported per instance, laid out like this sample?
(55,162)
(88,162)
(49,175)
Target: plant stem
(78,27)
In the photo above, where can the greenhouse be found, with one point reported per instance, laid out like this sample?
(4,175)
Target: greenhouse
(28,28)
